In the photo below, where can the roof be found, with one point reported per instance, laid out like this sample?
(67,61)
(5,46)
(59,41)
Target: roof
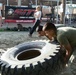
(26,2)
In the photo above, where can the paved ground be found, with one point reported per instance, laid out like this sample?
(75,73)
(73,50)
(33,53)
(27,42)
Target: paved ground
(10,39)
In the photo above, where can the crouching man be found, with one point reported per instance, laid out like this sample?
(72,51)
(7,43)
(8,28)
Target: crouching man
(66,36)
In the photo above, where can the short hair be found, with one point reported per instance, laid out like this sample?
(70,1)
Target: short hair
(49,26)
(39,28)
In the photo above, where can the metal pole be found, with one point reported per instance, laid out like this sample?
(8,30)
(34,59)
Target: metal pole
(19,2)
(64,11)
(71,10)
(57,11)
(7,2)
(63,14)
(36,2)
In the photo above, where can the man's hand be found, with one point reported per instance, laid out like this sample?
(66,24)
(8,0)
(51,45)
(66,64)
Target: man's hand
(68,49)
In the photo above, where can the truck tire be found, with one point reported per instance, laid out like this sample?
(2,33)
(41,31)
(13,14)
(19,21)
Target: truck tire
(31,58)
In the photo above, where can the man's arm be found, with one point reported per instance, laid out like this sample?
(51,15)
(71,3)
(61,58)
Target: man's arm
(68,49)
(64,42)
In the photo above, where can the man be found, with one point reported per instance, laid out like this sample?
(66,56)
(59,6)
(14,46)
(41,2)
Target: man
(66,36)
(42,33)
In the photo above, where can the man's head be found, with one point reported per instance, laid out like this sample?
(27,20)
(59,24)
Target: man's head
(50,30)
(40,31)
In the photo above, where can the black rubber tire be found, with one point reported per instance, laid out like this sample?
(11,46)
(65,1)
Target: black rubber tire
(44,62)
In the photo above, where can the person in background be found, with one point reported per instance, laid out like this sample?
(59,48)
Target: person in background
(61,11)
(20,27)
(66,36)
(42,33)
(52,18)
(37,16)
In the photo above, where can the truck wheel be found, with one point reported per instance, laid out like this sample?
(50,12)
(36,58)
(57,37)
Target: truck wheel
(31,58)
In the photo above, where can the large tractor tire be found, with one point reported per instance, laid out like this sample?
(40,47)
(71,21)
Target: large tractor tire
(31,58)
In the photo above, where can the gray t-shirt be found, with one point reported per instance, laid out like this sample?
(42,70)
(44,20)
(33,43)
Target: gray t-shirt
(66,35)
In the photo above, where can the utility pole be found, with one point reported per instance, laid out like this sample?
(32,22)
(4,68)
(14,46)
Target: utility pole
(7,2)
(19,2)
(63,14)
(36,2)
